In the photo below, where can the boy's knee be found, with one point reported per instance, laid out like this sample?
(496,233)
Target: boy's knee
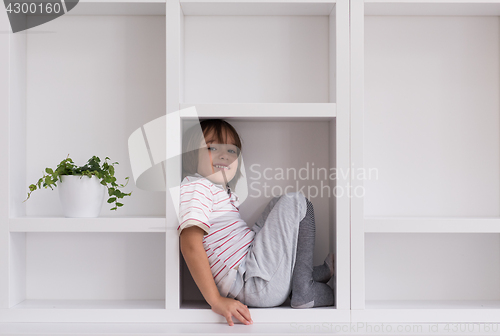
(298,201)
(294,199)
(295,195)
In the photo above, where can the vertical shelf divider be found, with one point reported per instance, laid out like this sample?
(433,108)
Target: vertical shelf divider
(339,92)
(174,51)
(4,171)
(356,147)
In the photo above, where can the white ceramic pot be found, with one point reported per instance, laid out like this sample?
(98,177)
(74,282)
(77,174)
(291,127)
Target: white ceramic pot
(81,196)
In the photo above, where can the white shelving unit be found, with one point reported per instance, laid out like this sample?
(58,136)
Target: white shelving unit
(409,88)
(425,113)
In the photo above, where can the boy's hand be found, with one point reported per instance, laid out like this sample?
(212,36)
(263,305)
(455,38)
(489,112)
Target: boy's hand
(228,307)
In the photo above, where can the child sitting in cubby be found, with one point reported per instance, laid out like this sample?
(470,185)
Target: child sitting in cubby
(233,265)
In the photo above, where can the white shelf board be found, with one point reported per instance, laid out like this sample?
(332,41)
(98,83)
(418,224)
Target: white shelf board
(432,304)
(91,304)
(281,314)
(99,224)
(286,111)
(86,315)
(431,7)
(432,224)
(257,7)
(429,311)
(156,329)
(119,7)
(34,311)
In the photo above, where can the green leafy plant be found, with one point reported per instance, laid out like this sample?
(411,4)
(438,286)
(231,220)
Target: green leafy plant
(105,173)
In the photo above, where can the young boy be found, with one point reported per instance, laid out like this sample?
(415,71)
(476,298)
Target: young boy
(213,258)
(228,260)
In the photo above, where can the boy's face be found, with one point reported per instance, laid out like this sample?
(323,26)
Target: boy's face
(214,158)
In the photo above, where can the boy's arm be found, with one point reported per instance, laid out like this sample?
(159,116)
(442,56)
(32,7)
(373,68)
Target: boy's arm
(191,242)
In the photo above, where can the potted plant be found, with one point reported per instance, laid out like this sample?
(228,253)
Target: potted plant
(81,189)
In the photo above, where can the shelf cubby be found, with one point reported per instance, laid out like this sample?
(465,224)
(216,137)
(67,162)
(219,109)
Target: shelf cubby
(87,270)
(273,52)
(418,277)
(432,266)
(92,77)
(270,144)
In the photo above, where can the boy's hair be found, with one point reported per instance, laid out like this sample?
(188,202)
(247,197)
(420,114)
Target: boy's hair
(221,130)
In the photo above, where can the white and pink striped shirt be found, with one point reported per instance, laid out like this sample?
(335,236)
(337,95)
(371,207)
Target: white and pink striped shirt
(228,237)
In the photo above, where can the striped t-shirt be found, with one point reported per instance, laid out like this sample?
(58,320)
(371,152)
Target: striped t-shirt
(228,237)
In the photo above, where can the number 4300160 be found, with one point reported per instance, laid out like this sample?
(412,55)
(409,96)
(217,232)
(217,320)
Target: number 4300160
(33,8)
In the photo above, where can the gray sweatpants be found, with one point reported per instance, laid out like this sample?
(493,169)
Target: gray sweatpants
(264,279)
